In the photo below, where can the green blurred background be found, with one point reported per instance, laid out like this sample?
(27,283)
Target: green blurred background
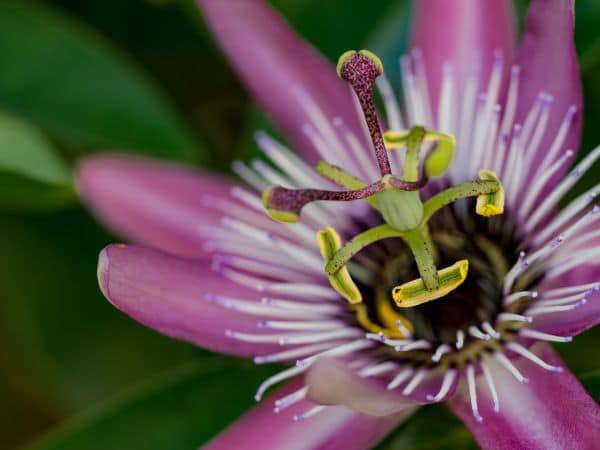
(84,76)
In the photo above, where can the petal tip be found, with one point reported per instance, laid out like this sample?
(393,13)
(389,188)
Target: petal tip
(103,271)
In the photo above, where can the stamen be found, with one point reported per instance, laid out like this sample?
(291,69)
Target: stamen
(490,382)
(510,299)
(487,327)
(473,392)
(403,329)
(460,339)
(400,378)
(559,292)
(518,348)
(306,289)
(302,325)
(417,345)
(550,201)
(539,182)
(363,158)
(321,123)
(378,369)
(392,110)
(360,70)
(449,378)
(283,375)
(290,399)
(534,334)
(440,351)
(304,307)
(248,175)
(553,309)
(339,350)
(290,355)
(505,362)
(563,301)
(310,413)
(560,138)
(510,317)
(380,337)
(251,307)
(583,257)
(293,338)
(285,159)
(422,85)
(476,333)
(414,383)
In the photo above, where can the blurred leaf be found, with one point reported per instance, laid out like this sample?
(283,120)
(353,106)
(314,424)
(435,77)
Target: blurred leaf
(389,38)
(59,334)
(591,382)
(577,354)
(71,82)
(432,427)
(32,175)
(334,28)
(180,411)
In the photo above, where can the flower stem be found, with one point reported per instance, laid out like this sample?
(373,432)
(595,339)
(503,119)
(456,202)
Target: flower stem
(422,249)
(360,241)
(450,195)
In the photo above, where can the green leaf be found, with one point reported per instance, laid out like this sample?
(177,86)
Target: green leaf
(591,382)
(71,82)
(389,38)
(32,175)
(432,427)
(58,334)
(180,411)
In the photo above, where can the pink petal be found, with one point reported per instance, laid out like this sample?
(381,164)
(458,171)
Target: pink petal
(274,62)
(168,294)
(332,384)
(333,428)
(152,203)
(580,319)
(548,62)
(553,411)
(459,32)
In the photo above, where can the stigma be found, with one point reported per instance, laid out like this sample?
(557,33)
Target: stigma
(396,197)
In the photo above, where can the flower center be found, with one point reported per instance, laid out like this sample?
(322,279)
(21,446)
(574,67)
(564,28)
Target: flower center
(476,301)
(397,199)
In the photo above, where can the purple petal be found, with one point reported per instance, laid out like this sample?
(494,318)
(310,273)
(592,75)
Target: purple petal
(549,64)
(152,203)
(333,384)
(448,32)
(169,294)
(274,63)
(333,428)
(553,411)
(581,318)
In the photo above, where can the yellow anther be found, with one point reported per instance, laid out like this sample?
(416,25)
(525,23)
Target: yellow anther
(490,204)
(415,293)
(329,243)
